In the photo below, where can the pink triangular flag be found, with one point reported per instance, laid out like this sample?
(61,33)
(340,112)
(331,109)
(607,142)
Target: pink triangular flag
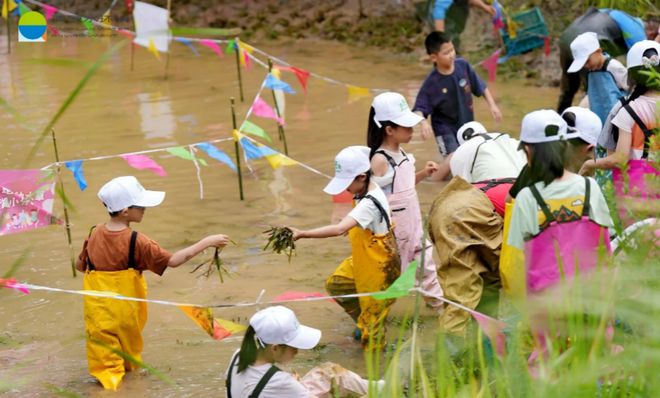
(492,328)
(490,64)
(54,31)
(261,108)
(49,11)
(142,162)
(213,46)
(12,284)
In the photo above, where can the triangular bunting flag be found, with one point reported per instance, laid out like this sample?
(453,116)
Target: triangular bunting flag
(244,51)
(401,286)
(279,160)
(216,328)
(223,328)
(494,329)
(301,75)
(7,7)
(22,8)
(355,93)
(255,150)
(213,46)
(250,128)
(89,26)
(216,154)
(49,11)
(76,167)
(490,64)
(279,94)
(262,109)
(152,49)
(53,31)
(274,83)
(231,46)
(188,43)
(142,162)
(546,45)
(183,153)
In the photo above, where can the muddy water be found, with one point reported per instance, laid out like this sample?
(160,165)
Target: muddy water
(41,335)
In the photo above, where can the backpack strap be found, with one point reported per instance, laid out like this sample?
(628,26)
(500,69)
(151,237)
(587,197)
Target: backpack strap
(544,206)
(647,133)
(131,250)
(231,370)
(392,163)
(587,194)
(486,138)
(383,213)
(492,183)
(264,380)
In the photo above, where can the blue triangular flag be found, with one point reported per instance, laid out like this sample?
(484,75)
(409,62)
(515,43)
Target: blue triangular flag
(216,154)
(253,151)
(187,43)
(76,168)
(274,83)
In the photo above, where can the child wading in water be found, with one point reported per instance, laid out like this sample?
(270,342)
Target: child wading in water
(390,125)
(113,259)
(375,262)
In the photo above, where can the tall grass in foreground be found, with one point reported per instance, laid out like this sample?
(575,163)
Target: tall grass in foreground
(583,358)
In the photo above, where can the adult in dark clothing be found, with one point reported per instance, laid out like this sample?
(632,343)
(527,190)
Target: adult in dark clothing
(610,26)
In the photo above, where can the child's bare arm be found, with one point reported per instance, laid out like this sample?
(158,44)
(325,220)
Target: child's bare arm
(494,110)
(191,251)
(483,6)
(327,231)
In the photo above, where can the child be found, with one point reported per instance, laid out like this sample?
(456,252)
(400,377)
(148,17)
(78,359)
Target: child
(607,78)
(375,262)
(275,336)
(113,259)
(630,141)
(446,94)
(390,125)
(573,216)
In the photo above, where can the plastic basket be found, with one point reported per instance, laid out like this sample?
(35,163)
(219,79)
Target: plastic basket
(531,32)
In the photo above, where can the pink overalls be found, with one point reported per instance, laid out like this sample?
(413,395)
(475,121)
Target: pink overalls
(408,228)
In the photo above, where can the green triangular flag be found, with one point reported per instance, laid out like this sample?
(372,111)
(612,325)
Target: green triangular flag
(89,26)
(401,287)
(22,8)
(230,47)
(183,153)
(251,128)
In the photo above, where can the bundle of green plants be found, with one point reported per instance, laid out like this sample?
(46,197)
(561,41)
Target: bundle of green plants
(280,239)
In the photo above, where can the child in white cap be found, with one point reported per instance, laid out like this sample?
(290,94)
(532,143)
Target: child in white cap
(390,125)
(375,263)
(275,336)
(113,259)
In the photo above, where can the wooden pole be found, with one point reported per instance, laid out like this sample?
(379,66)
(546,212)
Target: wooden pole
(280,128)
(167,56)
(130,11)
(66,211)
(238,68)
(238,157)
(6,4)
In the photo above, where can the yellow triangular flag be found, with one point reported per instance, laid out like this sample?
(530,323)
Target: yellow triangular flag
(279,160)
(231,327)
(237,135)
(152,49)
(7,7)
(512,29)
(107,23)
(241,48)
(355,93)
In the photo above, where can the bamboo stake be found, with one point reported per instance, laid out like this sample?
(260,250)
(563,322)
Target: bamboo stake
(280,128)
(130,11)
(238,157)
(66,211)
(6,4)
(238,68)
(167,56)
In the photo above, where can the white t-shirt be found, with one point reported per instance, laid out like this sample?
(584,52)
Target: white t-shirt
(498,157)
(645,107)
(562,197)
(282,384)
(619,72)
(367,214)
(385,181)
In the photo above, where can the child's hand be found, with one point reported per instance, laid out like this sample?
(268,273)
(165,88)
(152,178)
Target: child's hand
(495,111)
(430,168)
(587,168)
(427,130)
(219,240)
(297,234)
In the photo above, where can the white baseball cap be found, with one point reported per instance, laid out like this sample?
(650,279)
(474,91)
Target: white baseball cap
(583,124)
(636,57)
(394,108)
(279,325)
(544,125)
(469,130)
(122,192)
(582,47)
(350,162)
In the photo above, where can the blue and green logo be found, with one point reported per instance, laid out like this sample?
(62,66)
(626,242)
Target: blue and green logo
(32,27)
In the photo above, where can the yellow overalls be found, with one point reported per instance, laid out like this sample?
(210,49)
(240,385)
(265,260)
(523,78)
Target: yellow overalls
(114,327)
(373,266)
